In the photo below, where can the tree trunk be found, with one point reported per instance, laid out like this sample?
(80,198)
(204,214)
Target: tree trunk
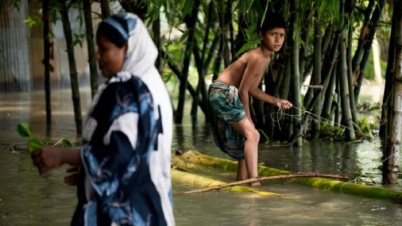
(350,74)
(325,47)
(190,21)
(391,164)
(200,85)
(73,67)
(316,78)
(138,7)
(368,42)
(199,61)
(105,9)
(329,95)
(294,5)
(223,24)
(46,60)
(344,92)
(326,57)
(91,47)
(156,30)
(218,61)
(362,39)
(305,36)
(387,102)
(177,72)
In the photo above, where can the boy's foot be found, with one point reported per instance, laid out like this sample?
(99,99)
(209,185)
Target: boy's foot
(255,184)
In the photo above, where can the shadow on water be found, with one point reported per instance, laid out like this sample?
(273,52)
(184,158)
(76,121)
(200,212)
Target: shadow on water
(29,199)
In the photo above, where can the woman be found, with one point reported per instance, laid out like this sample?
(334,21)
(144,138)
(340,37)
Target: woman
(125,155)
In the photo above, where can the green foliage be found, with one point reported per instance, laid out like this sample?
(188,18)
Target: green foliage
(13,3)
(32,21)
(78,39)
(34,143)
(329,131)
(24,130)
(187,5)
(365,126)
(167,76)
(369,72)
(247,46)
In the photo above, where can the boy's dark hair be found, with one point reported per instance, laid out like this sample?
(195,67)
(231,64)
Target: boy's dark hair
(272,20)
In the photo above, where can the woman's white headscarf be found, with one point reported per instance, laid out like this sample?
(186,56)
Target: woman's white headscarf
(142,52)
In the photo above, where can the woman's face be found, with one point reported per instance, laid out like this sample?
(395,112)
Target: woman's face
(110,57)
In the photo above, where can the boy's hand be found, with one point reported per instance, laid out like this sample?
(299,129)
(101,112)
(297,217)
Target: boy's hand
(47,158)
(283,104)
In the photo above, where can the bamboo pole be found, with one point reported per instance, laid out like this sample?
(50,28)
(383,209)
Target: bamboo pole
(259,179)
(202,181)
(321,183)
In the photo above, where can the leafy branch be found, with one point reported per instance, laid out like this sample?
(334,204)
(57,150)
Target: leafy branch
(34,143)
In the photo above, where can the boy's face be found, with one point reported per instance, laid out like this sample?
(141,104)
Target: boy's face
(273,39)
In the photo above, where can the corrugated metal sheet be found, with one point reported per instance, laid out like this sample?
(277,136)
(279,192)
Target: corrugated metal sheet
(14,50)
(36,46)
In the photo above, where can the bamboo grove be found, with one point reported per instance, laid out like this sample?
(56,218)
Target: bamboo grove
(329,41)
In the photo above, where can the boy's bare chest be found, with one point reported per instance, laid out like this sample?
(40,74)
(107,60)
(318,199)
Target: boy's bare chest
(262,68)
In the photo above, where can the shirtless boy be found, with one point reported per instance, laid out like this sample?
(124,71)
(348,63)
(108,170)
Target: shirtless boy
(229,99)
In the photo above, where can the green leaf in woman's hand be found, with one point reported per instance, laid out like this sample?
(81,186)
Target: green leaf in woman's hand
(24,129)
(35,144)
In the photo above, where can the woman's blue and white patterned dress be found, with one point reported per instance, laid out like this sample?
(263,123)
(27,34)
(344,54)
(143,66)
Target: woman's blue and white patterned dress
(126,148)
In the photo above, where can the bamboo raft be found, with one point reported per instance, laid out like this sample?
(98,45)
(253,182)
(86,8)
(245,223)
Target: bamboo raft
(192,160)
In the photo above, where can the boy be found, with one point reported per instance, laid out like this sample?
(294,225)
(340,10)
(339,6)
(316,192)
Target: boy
(229,99)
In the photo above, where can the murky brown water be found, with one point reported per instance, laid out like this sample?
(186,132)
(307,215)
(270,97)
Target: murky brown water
(29,199)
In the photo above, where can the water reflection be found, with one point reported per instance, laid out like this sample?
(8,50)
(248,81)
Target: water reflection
(28,199)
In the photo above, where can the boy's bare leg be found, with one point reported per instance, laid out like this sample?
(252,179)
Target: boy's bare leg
(247,128)
(241,170)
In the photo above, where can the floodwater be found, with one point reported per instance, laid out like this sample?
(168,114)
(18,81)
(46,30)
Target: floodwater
(29,199)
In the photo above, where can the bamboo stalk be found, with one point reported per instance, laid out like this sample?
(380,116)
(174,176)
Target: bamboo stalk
(202,181)
(321,183)
(251,180)
(314,86)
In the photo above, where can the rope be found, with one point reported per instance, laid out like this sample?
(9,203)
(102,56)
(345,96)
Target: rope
(277,116)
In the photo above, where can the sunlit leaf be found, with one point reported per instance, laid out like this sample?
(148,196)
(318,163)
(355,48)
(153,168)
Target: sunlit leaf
(167,76)
(187,6)
(246,47)
(33,21)
(35,144)
(54,16)
(13,151)
(65,143)
(184,36)
(24,129)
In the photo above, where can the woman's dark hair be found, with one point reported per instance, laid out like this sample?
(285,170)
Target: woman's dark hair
(272,20)
(111,33)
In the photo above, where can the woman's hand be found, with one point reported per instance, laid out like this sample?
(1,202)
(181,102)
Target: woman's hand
(283,104)
(72,178)
(47,158)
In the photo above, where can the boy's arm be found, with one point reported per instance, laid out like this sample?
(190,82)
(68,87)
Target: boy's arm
(260,95)
(248,78)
